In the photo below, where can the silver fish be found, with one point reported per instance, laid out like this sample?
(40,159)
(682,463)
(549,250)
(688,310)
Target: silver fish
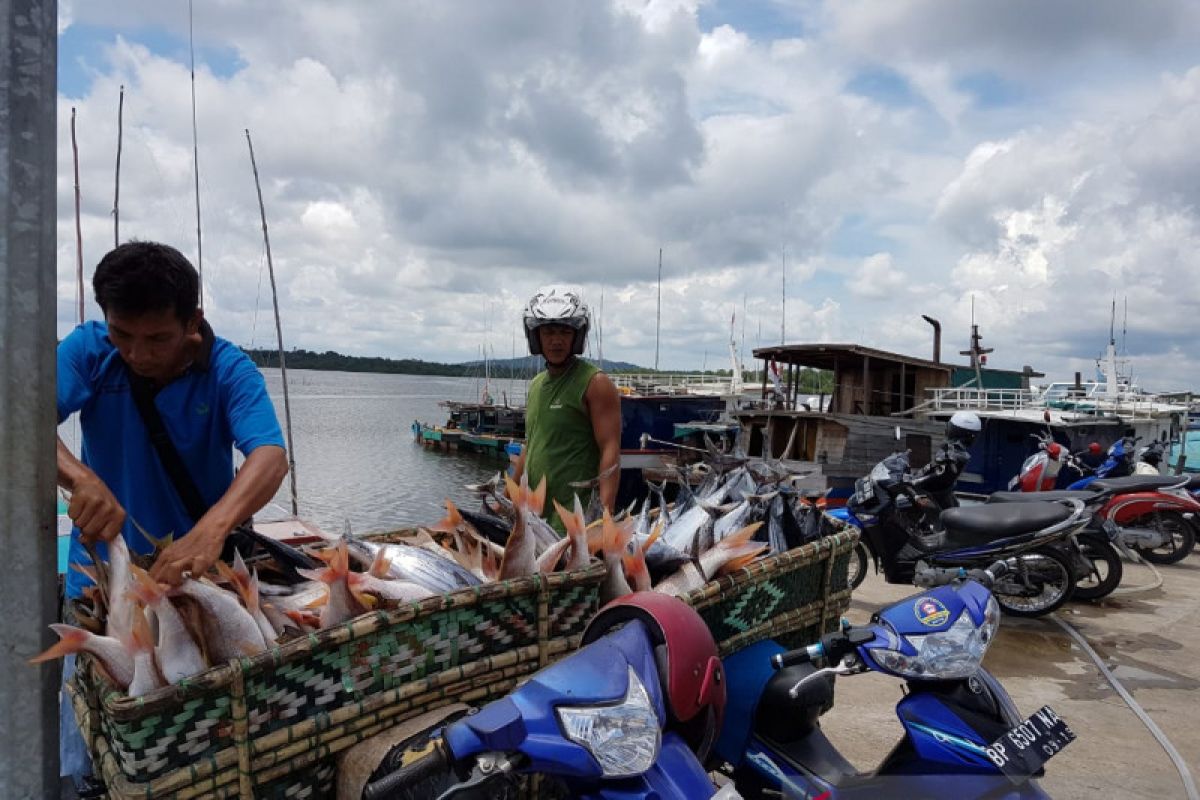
(229,629)
(414,564)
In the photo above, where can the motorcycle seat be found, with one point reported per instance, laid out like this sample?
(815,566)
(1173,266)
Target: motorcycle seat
(1042,497)
(988,522)
(1135,483)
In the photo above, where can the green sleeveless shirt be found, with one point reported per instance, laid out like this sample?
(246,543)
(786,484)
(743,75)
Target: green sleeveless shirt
(559,440)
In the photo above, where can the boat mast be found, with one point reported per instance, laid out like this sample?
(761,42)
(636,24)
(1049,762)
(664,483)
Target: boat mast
(78,231)
(196,159)
(287,409)
(658,313)
(116,211)
(783,298)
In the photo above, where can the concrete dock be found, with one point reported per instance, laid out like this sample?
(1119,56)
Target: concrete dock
(1149,639)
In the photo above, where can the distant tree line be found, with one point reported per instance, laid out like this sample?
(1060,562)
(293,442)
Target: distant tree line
(812,381)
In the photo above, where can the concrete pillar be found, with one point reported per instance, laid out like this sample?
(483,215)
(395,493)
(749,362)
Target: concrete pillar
(28,592)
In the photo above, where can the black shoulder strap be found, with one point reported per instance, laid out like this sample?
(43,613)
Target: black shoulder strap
(143,391)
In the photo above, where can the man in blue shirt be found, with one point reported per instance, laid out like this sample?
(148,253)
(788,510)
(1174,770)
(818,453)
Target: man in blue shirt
(209,395)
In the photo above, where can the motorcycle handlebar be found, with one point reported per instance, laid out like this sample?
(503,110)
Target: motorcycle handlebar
(419,770)
(802,655)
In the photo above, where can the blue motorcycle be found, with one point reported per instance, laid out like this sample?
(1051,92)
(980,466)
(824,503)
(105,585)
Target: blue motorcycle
(963,736)
(1118,463)
(630,715)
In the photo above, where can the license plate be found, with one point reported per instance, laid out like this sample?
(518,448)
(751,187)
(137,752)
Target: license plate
(1023,750)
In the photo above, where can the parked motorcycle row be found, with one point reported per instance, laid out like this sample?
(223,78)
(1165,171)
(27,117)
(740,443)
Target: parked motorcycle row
(1059,544)
(646,708)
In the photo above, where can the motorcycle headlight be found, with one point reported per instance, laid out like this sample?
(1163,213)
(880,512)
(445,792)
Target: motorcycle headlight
(955,652)
(624,738)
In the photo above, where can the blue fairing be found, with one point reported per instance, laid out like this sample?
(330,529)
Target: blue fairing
(929,612)
(844,514)
(750,671)
(526,722)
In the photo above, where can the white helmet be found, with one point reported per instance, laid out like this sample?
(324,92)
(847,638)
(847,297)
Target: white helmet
(964,426)
(556,305)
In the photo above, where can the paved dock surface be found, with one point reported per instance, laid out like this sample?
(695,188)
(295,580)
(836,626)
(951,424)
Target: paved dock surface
(1149,639)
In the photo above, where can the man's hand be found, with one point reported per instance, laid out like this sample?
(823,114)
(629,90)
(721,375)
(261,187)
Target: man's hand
(95,510)
(193,554)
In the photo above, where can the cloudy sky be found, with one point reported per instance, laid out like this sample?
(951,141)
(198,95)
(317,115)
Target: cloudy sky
(426,165)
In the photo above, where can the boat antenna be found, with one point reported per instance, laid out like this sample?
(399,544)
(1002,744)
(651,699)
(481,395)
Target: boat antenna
(287,408)
(78,231)
(196,160)
(658,314)
(1112,322)
(742,349)
(1125,329)
(116,211)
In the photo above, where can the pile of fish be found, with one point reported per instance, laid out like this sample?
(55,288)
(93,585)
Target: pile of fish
(146,635)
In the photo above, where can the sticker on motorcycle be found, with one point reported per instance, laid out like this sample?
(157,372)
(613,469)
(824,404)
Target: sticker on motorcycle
(930,612)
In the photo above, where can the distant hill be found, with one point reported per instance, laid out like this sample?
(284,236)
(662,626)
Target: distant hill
(518,368)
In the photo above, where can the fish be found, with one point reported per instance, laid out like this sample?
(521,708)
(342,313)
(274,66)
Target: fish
(549,559)
(246,585)
(414,564)
(176,650)
(120,582)
(287,558)
(112,654)
(688,578)
(229,630)
(614,543)
(342,602)
(494,528)
(376,582)
(576,527)
(594,506)
(520,554)
(735,545)
(146,677)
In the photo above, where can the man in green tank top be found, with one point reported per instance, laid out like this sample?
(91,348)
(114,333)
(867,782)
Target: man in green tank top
(573,412)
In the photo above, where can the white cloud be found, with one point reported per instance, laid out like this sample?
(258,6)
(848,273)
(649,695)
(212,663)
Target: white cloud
(425,167)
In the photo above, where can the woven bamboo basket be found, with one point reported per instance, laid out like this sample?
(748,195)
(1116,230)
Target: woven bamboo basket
(268,726)
(793,597)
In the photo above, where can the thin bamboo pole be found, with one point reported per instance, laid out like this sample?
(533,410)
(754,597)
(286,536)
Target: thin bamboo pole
(116,211)
(287,408)
(78,231)
(196,162)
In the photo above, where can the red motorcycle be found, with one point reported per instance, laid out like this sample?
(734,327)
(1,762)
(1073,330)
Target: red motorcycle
(1154,515)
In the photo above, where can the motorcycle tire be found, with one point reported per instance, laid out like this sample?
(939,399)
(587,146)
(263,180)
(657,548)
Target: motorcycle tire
(1183,537)
(860,559)
(1045,567)
(1106,565)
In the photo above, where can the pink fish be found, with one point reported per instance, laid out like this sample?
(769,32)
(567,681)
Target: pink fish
(112,654)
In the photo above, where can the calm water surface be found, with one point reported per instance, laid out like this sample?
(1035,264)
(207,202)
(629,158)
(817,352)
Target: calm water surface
(355,455)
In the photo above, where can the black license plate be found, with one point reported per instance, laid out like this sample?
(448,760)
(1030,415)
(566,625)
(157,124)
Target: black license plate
(1023,750)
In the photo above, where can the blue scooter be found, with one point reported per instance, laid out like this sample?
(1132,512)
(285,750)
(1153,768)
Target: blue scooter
(1118,463)
(963,736)
(596,723)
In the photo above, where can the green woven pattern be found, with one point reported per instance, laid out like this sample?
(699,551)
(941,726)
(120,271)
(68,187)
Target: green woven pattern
(802,592)
(341,674)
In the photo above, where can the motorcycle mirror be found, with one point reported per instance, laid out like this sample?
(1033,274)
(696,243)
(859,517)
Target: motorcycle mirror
(1046,416)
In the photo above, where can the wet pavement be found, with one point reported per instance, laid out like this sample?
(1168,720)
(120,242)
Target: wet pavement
(1149,639)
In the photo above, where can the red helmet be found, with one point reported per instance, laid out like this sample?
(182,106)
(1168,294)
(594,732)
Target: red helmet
(1054,450)
(689,669)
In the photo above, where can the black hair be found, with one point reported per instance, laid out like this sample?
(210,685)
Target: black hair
(139,278)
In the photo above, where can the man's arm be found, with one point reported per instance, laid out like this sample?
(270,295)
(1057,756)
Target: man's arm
(252,488)
(604,408)
(93,507)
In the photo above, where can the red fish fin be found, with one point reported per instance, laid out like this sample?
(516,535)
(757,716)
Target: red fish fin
(70,640)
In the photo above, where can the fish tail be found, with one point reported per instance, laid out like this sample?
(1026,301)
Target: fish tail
(253,599)
(239,566)
(513,489)
(381,565)
(143,640)
(737,562)
(655,533)
(537,500)
(70,640)
(739,537)
(322,575)
(451,521)
(568,519)
(635,569)
(145,589)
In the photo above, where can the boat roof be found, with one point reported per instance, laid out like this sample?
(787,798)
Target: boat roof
(842,356)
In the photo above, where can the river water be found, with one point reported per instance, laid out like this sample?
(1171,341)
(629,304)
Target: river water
(356,458)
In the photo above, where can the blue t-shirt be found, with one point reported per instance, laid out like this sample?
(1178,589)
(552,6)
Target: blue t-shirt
(219,403)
